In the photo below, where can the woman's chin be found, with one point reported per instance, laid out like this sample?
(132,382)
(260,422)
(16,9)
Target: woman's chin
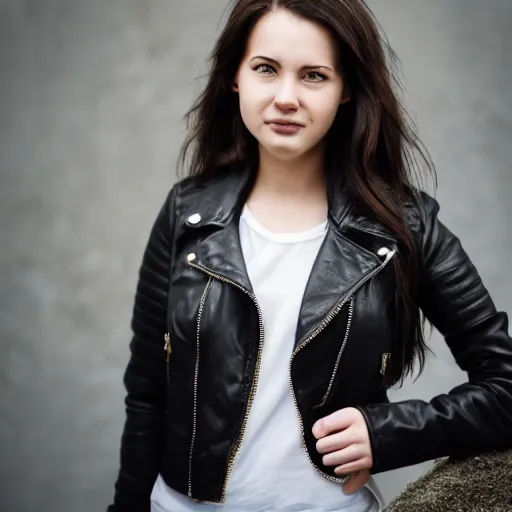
(285,151)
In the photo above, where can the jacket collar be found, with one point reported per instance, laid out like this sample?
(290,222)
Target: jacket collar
(230,187)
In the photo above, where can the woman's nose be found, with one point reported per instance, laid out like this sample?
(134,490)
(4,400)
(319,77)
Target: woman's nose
(286,96)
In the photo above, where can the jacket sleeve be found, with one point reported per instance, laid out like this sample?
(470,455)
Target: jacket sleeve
(142,441)
(477,415)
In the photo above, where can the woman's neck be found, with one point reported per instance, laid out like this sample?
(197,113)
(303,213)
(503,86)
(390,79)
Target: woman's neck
(291,180)
(289,195)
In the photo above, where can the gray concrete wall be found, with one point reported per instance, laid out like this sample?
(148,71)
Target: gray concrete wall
(91,98)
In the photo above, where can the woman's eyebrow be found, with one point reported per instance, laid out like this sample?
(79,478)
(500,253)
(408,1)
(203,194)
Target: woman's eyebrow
(276,63)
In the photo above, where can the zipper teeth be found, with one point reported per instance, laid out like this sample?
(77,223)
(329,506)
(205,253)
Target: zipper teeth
(196,377)
(308,339)
(340,353)
(238,442)
(167,338)
(320,328)
(384,364)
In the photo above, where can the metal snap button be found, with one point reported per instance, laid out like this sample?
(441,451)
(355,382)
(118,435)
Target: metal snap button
(383,251)
(194,218)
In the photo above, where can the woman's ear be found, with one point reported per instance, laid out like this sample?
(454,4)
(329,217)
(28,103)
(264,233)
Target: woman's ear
(345,97)
(346,93)
(234,85)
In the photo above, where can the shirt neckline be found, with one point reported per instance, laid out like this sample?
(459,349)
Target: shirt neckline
(283,238)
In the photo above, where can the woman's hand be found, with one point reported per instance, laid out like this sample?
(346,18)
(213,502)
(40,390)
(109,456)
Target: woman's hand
(344,442)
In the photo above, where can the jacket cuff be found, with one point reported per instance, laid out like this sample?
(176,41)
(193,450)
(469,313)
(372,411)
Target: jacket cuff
(403,434)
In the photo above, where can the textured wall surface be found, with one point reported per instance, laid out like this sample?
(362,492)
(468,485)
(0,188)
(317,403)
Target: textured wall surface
(91,99)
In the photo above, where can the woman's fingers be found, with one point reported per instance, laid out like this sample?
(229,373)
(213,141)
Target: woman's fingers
(335,442)
(351,467)
(340,457)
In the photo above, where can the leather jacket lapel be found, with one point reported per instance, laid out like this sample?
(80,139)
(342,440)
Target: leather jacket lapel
(221,254)
(339,267)
(217,212)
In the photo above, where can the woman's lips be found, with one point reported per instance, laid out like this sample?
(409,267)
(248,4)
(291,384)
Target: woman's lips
(284,128)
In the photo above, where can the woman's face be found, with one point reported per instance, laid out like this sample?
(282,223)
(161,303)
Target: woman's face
(289,74)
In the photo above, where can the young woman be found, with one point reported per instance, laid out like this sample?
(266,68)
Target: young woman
(284,284)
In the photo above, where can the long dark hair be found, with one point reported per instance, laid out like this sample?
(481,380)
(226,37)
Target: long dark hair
(372,147)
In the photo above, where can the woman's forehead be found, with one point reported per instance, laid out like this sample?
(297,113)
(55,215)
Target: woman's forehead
(285,37)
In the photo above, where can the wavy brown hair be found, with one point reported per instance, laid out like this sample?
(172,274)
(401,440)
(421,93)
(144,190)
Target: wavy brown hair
(372,147)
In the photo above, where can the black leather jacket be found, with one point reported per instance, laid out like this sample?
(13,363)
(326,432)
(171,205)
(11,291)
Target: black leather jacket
(198,333)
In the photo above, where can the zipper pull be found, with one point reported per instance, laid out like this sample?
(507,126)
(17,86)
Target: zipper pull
(167,346)
(384,362)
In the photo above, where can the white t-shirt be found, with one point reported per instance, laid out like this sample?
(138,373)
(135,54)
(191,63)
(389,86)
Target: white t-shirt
(271,471)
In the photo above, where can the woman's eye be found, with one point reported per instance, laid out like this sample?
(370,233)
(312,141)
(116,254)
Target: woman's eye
(314,76)
(264,68)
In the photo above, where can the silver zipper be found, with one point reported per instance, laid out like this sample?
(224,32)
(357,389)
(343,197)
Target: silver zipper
(340,353)
(311,335)
(168,349)
(196,378)
(238,442)
(384,362)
